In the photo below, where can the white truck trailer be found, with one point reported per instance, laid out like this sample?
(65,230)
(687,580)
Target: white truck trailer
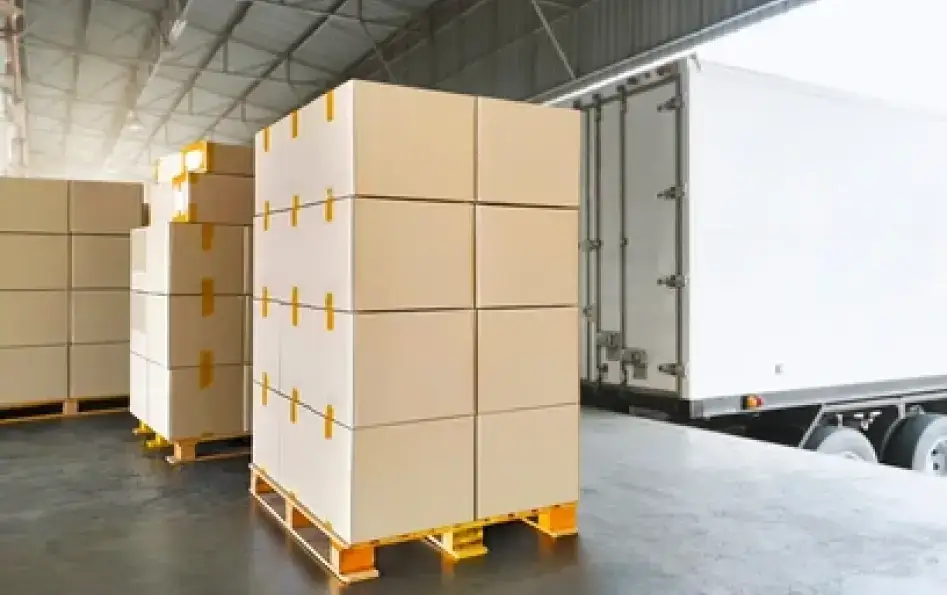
(762,252)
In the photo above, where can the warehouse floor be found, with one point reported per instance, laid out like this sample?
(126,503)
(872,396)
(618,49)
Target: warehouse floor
(665,510)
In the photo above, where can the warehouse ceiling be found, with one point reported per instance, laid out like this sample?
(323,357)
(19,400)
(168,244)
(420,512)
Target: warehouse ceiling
(113,84)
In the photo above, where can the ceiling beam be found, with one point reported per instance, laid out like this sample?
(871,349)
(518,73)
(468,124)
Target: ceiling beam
(284,56)
(237,15)
(80,39)
(150,45)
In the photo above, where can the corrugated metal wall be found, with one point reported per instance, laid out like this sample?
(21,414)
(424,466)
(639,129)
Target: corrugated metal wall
(501,48)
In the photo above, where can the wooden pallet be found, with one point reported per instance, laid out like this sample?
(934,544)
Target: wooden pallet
(63,408)
(356,562)
(194,450)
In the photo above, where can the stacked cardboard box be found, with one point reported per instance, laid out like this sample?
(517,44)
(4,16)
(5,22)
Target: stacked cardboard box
(190,297)
(365,319)
(364,325)
(101,217)
(64,288)
(527,306)
(34,291)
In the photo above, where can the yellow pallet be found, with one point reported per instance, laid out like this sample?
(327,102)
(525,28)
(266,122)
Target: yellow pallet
(184,450)
(356,562)
(62,409)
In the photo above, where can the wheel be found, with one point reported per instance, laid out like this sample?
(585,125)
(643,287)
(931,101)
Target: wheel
(919,443)
(841,441)
(880,431)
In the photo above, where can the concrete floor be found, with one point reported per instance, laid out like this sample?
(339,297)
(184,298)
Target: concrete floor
(665,510)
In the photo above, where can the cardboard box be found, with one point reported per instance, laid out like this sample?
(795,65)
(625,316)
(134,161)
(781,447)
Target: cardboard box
(527,459)
(370,139)
(104,207)
(205,157)
(33,375)
(100,261)
(528,154)
(213,198)
(270,415)
(357,479)
(100,316)
(34,262)
(177,258)
(248,395)
(189,403)
(160,200)
(527,257)
(183,329)
(138,313)
(383,368)
(267,343)
(34,205)
(378,255)
(527,358)
(138,387)
(99,370)
(217,158)
(33,318)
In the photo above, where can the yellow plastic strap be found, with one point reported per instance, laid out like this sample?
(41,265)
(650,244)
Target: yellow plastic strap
(207,236)
(265,303)
(294,406)
(330,105)
(266,215)
(330,312)
(207,297)
(264,393)
(207,152)
(266,139)
(206,377)
(328,421)
(192,212)
(329,209)
(295,306)
(203,150)
(294,211)
(294,124)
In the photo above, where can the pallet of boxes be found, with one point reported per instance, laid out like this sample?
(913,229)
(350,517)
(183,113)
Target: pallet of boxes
(64,296)
(190,281)
(415,347)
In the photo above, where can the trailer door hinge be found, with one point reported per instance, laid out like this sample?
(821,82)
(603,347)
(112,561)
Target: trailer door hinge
(673,370)
(672,193)
(672,104)
(589,312)
(673,281)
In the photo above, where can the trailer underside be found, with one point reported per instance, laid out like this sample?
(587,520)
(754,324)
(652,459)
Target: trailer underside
(664,509)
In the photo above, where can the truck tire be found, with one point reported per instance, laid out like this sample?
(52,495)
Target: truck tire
(841,441)
(919,443)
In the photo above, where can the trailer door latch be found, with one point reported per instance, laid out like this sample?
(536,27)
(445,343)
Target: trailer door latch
(672,104)
(637,358)
(677,370)
(673,281)
(590,245)
(672,193)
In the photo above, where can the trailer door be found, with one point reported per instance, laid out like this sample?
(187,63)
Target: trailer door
(633,276)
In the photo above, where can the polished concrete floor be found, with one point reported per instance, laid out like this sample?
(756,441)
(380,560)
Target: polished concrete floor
(665,510)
